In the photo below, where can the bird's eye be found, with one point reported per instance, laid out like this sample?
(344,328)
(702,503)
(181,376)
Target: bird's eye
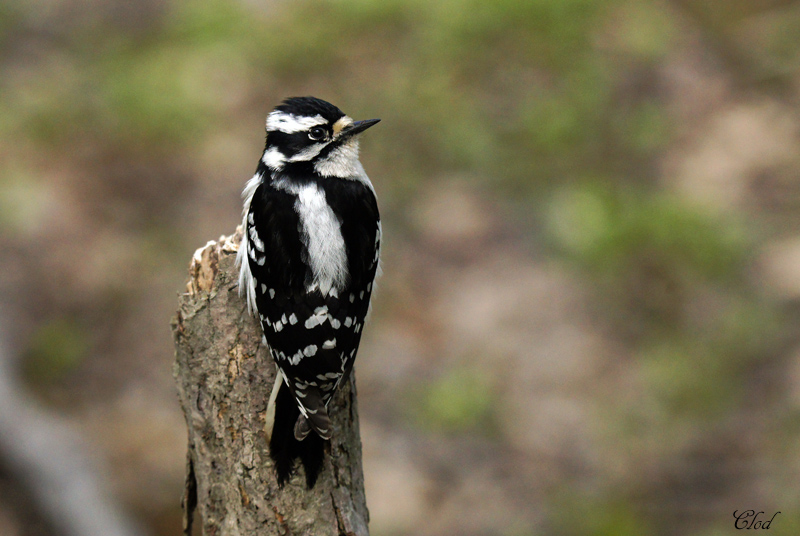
(317,133)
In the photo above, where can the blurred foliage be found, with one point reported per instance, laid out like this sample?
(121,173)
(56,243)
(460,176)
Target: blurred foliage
(578,514)
(609,231)
(672,279)
(23,200)
(516,92)
(461,400)
(54,350)
(758,39)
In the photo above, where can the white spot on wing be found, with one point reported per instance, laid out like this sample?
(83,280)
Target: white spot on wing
(257,243)
(329,345)
(296,358)
(318,318)
(312,322)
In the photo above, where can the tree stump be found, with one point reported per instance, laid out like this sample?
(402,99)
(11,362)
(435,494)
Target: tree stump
(224,375)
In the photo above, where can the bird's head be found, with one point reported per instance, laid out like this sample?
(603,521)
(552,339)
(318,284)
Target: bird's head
(306,132)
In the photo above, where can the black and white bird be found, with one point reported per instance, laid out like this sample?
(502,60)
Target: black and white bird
(308,260)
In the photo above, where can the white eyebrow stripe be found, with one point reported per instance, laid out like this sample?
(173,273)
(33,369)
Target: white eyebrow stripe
(290,123)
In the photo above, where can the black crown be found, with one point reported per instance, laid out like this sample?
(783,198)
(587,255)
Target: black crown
(309,107)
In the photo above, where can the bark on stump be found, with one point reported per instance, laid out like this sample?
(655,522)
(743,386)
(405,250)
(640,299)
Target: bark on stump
(225,375)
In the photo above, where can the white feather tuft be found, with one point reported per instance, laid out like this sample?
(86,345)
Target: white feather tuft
(247,283)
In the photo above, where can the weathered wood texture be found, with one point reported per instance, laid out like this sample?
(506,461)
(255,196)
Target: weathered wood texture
(225,375)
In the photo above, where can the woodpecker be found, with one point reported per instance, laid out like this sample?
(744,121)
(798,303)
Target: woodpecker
(308,260)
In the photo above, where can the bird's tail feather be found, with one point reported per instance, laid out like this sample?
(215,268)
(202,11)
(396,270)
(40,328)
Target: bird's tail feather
(284,448)
(317,418)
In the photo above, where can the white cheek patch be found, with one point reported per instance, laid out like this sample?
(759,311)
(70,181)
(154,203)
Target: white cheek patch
(274,159)
(289,123)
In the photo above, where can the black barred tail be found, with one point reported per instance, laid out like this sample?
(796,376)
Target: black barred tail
(317,419)
(284,448)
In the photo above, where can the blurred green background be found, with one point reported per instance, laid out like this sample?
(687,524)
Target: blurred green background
(587,320)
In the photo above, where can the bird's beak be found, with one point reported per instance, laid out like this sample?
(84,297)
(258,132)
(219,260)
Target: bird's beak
(358,126)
